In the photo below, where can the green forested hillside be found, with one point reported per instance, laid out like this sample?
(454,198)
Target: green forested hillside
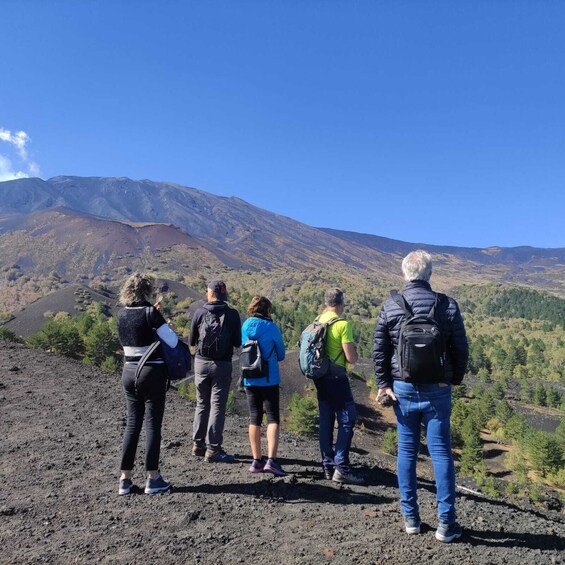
(512,302)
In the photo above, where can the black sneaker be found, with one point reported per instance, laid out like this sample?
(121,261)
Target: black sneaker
(198,451)
(218,457)
(125,486)
(328,473)
(448,532)
(347,477)
(155,486)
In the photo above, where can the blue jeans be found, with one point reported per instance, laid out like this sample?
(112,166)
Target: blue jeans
(335,402)
(429,404)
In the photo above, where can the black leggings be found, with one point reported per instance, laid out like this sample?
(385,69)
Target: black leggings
(146,403)
(261,399)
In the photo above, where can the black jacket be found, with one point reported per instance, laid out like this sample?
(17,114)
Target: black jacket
(232,323)
(421,298)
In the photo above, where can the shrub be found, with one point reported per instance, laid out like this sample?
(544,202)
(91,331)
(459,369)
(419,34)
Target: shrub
(558,478)
(111,365)
(490,487)
(516,462)
(7,334)
(231,407)
(390,441)
(303,414)
(535,493)
(187,389)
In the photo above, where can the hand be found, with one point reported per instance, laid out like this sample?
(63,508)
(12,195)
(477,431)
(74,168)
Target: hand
(157,306)
(385,392)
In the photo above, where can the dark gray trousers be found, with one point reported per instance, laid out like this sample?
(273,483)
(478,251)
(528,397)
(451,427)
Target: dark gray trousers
(212,380)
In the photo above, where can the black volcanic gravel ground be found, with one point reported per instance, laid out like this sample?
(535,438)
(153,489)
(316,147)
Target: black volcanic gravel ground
(61,429)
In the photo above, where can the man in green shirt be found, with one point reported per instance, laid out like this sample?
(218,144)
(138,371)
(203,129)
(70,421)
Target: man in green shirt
(335,400)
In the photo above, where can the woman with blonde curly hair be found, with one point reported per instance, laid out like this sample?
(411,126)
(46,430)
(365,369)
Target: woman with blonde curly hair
(145,396)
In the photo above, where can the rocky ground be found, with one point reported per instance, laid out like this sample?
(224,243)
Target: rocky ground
(61,430)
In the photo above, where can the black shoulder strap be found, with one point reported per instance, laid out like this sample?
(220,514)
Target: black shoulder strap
(401,301)
(144,357)
(328,324)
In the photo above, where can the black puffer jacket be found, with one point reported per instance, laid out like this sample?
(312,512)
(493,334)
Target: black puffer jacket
(421,298)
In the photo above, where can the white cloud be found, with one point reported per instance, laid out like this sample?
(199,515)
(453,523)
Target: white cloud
(17,141)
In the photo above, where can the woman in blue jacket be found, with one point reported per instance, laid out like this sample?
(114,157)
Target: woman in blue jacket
(263,392)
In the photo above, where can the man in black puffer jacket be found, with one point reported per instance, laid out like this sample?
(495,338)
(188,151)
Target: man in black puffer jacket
(428,402)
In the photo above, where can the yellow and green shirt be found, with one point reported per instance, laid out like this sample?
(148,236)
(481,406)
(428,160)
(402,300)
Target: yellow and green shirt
(338,333)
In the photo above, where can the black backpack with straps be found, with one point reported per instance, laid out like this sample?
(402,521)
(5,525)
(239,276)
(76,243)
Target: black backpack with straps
(214,338)
(421,351)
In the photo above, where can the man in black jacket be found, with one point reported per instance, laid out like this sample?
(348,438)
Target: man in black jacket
(215,331)
(420,401)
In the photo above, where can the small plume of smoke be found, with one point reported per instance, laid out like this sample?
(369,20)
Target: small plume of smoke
(18,141)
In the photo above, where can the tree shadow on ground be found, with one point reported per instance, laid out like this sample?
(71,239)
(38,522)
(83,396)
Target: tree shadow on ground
(291,492)
(513,539)
(491,453)
(430,486)
(375,476)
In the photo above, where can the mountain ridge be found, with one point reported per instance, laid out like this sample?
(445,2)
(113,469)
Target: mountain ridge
(65,225)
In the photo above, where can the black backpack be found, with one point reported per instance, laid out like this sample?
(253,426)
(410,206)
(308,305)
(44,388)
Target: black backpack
(251,362)
(421,350)
(213,338)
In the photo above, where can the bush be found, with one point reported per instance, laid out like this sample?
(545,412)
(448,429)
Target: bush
(7,334)
(558,478)
(516,462)
(490,487)
(390,441)
(231,408)
(303,414)
(187,389)
(111,365)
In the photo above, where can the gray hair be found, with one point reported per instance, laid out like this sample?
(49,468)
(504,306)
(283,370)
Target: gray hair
(333,297)
(137,288)
(417,266)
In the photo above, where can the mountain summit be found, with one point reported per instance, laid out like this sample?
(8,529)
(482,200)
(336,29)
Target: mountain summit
(227,231)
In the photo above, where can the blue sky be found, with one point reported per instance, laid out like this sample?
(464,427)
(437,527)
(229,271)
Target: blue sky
(425,121)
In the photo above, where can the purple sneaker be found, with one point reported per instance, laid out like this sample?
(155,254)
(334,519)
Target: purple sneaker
(257,466)
(273,466)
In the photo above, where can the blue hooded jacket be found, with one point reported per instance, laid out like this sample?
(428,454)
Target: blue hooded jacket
(270,340)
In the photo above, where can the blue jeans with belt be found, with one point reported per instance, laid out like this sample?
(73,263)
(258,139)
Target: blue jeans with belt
(428,404)
(335,402)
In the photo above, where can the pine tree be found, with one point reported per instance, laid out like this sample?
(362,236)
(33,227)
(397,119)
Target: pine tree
(472,452)
(504,411)
(545,453)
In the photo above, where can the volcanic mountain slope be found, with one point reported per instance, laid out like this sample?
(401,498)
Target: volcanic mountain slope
(97,230)
(62,427)
(230,225)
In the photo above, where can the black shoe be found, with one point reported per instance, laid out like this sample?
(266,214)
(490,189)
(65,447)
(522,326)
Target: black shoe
(448,532)
(198,451)
(155,486)
(125,486)
(328,473)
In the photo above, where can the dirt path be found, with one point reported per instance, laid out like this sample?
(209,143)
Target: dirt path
(61,430)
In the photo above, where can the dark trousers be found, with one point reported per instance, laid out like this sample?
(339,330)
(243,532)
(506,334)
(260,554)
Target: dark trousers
(212,380)
(145,404)
(335,402)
